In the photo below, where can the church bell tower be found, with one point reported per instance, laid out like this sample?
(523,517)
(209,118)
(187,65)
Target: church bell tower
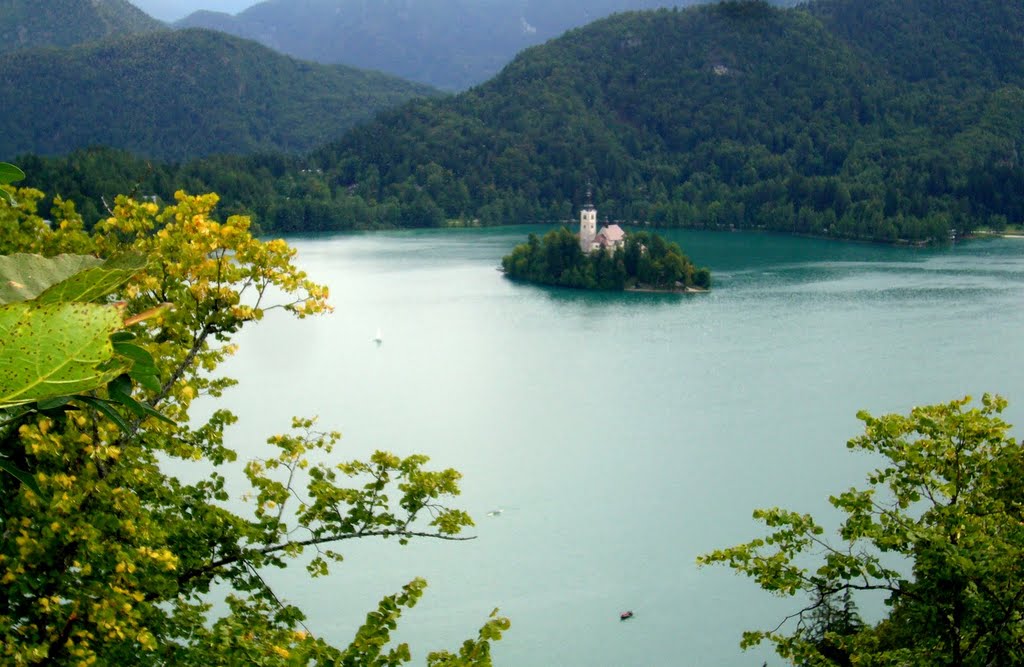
(588,223)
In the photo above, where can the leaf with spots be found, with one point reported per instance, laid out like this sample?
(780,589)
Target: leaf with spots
(64,278)
(24,276)
(96,282)
(58,349)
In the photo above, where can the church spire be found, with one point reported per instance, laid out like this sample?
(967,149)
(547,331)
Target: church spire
(588,223)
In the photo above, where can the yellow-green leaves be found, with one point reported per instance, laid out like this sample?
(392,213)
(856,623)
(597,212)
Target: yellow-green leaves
(474,652)
(111,559)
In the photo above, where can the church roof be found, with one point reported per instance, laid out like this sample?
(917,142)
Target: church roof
(612,233)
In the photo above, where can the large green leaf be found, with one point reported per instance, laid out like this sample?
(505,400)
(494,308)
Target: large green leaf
(64,278)
(24,276)
(9,173)
(19,474)
(56,349)
(96,282)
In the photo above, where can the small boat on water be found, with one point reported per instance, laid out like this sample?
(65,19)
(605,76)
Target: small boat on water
(625,616)
(379,338)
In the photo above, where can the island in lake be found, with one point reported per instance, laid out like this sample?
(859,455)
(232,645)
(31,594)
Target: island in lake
(605,259)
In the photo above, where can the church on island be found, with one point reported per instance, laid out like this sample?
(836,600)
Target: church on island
(608,239)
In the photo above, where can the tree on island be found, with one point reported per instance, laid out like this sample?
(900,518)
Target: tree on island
(644,261)
(106,556)
(939,533)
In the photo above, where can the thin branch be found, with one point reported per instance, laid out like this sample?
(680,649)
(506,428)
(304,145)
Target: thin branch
(231,560)
(273,595)
(288,487)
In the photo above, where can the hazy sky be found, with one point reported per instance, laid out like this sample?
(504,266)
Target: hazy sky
(172,10)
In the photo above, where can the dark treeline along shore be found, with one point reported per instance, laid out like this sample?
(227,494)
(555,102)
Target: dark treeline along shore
(889,120)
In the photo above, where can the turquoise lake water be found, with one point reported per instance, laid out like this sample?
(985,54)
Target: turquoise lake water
(621,434)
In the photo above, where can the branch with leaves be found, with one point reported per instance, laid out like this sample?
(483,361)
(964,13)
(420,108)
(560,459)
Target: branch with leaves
(104,556)
(938,532)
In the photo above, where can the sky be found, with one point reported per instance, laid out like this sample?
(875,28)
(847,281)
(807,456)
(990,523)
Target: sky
(172,10)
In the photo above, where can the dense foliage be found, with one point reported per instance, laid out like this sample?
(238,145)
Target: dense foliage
(450,44)
(867,119)
(108,558)
(177,94)
(938,532)
(645,261)
(26,24)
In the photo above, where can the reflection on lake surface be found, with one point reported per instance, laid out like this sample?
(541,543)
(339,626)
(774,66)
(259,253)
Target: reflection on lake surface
(621,434)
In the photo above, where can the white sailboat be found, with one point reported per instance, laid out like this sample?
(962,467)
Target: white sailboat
(379,338)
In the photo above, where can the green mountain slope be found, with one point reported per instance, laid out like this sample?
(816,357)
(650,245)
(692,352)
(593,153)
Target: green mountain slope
(936,41)
(26,24)
(183,94)
(830,119)
(732,115)
(451,44)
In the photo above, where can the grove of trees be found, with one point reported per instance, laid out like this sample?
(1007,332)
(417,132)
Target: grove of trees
(644,261)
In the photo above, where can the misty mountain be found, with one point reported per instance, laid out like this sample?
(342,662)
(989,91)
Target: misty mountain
(26,24)
(182,94)
(450,44)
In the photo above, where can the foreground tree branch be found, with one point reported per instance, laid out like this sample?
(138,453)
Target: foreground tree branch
(106,558)
(954,475)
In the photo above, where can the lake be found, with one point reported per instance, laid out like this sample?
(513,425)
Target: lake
(621,434)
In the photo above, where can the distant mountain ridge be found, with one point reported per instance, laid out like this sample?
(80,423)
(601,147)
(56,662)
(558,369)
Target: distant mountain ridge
(26,24)
(890,120)
(449,44)
(828,119)
(183,94)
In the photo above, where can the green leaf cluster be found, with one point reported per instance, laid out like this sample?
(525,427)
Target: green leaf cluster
(938,532)
(107,557)
(60,340)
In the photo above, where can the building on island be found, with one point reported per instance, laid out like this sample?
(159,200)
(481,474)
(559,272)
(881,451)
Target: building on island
(608,238)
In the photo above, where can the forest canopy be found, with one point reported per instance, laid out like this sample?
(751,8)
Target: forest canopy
(828,119)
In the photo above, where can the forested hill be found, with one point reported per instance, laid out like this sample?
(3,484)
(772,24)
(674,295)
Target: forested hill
(729,115)
(451,44)
(874,119)
(28,24)
(183,94)
(933,41)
